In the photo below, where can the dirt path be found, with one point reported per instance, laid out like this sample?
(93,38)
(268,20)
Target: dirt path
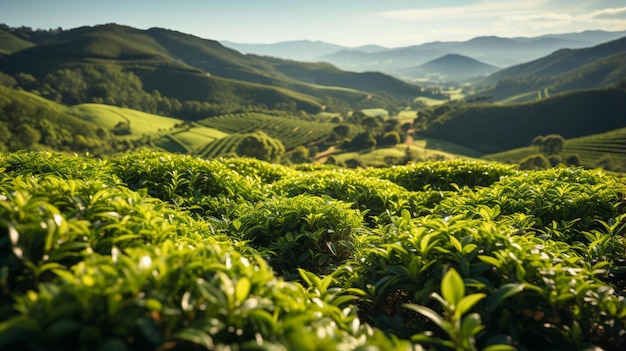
(409,137)
(322,156)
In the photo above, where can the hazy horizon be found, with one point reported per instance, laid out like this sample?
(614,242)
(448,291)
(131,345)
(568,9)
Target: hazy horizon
(348,23)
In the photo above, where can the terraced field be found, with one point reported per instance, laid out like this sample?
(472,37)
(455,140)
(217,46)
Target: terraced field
(590,149)
(291,132)
(221,147)
(594,147)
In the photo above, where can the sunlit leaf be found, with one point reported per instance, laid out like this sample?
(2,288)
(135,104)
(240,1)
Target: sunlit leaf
(452,287)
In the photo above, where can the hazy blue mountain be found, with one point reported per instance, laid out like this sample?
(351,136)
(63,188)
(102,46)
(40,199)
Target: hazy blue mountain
(301,50)
(451,67)
(497,51)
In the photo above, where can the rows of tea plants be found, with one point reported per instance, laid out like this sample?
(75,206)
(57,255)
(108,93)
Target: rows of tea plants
(291,132)
(156,251)
(223,147)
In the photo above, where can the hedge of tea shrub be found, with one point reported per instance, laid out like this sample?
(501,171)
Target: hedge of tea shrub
(156,251)
(447,176)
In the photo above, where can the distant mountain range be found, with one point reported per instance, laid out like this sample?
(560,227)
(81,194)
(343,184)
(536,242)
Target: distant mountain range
(300,50)
(492,50)
(450,67)
(189,68)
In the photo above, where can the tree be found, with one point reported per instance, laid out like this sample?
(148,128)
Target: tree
(371,124)
(573,160)
(260,146)
(390,139)
(553,144)
(549,145)
(537,161)
(342,130)
(363,140)
(300,154)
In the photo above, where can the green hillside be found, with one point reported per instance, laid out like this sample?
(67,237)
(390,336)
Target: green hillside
(29,122)
(109,117)
(9,43)
(322,73)
(496,128)
(564,70)
(562,61)
(160,57)
(604,150)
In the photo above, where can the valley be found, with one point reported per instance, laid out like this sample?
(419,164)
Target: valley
(163,191)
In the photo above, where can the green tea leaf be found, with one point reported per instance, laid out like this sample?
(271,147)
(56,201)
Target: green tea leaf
(430,314)
(505,291)
(471,325)
(242,289)
(466,303)
(195,336)
(452,287)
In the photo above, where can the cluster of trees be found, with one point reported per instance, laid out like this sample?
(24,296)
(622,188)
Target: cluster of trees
(375,131)
(261,146)
(550,153)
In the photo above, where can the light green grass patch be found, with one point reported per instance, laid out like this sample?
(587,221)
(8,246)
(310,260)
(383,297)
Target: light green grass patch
(375,112)
(520,98)
(197,137)
(109,116)
(429,102)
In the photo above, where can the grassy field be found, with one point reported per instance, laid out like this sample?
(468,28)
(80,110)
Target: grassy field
(197,137)
(429,102)
(166,132)
(108,117)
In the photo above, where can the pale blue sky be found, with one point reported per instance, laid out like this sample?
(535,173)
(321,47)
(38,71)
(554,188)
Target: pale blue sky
(346,22)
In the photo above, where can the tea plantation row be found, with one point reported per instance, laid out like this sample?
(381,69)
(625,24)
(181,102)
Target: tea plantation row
(155,251)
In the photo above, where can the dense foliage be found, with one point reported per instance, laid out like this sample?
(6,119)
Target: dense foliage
(156,251)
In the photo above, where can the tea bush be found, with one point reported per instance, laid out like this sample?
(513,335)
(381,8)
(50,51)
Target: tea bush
(447,176)
(262,172)
(304,231)
(63,165)
(156,251)
(206,187)
(572,200)
(377,198)
(539,293)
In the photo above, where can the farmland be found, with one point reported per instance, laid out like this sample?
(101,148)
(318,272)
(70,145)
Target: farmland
(156,251)
(290,131)
(592,150)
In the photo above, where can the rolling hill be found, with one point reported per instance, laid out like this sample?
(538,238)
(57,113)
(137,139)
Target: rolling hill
(10,43)
(562,61)
(496,128)
(159,57)
(451,67)
(326,74)
(566,69)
